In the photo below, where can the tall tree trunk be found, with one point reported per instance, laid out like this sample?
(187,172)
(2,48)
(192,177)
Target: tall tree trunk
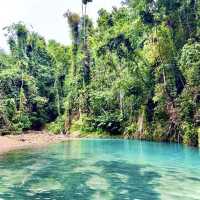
(121,99)
(141,123)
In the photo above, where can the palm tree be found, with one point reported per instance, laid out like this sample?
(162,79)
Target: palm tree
(74,22)
(84,13)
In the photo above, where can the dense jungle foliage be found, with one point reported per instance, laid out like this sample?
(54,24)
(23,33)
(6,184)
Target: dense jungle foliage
(135,73)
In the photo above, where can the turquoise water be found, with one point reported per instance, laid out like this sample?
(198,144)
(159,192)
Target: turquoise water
(102,170)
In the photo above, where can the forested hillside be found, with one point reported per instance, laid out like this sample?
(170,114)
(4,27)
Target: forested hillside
(135,73)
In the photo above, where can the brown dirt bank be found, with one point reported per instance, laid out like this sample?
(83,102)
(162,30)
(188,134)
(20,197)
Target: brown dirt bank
(29,139)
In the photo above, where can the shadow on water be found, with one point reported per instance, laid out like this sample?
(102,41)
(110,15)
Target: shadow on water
(116,180)
(129,181)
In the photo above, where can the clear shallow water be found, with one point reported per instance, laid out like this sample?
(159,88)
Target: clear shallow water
(102,170)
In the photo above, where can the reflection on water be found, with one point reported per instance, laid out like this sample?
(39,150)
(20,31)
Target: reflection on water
(102,170)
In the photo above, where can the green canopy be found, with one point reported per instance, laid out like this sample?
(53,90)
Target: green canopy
(86,1)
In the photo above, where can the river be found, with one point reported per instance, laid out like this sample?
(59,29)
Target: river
(102,169)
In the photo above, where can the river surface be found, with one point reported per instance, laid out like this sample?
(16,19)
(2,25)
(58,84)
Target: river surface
(102,170)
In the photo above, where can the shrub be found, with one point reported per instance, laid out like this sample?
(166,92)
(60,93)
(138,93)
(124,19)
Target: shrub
(57,127)
(190,134)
